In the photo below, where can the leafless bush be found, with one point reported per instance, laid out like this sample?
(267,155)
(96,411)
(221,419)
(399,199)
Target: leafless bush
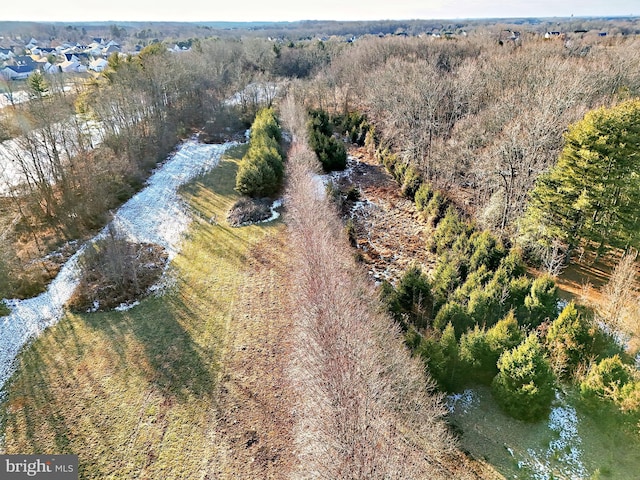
(620,296)
(366,409)
(116,271)
(249,210)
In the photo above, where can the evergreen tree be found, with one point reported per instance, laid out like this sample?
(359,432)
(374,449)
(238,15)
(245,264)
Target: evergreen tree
(606,378)
(412,298)
(449,369)
(452,313)
(542,301)
(525,384)
(568,340)
(594,190)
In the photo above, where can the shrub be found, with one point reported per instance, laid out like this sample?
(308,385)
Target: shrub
(480,349)
(436,208)
(513,264)
(269,153)
(447,232)
(518,289)
(525,385)
(542,301)
(256,178)
(330,151)
(412,298)
(266,123)
(354,125)
(605,377)
(504,335)
(484,307)
(477,356)
(249,210)
(442,359)
(116,271)
(612,380)
(422,196)
(411,183)
(452,313)
(487,250)
(261,171)
(568,340)
(445,280)
(474,281)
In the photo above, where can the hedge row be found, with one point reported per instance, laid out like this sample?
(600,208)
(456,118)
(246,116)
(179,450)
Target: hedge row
(261,170)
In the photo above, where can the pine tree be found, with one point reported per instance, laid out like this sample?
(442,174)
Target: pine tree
(593,191)
(525,384)
(568,339)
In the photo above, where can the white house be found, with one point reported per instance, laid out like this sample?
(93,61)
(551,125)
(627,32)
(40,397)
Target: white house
(98,65)
(69,66)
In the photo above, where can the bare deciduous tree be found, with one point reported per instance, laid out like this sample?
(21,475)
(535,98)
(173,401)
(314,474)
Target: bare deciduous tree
(620,296)
(366,408)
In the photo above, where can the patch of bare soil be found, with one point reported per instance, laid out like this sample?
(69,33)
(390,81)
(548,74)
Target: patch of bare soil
(256,420)
(387,230)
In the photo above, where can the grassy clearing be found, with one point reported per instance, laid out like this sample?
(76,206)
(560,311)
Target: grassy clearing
(134,393)
(608,441)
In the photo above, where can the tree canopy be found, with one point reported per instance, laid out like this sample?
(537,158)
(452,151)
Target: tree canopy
(593,191)
(525,384)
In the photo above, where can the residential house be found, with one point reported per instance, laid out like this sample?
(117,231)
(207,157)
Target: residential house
(17,72)
(110,49)
(6,54)
(70,66)
(98,65)
(23,60)
(33,43)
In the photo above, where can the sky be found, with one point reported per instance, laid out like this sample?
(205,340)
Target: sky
(291,10)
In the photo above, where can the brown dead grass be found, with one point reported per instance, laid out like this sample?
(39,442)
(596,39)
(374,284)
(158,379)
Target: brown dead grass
(390,235)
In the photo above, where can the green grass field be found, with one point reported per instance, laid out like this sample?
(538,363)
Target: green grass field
(600,444)
(134,393)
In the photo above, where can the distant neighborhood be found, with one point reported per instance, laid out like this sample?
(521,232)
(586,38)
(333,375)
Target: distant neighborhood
(17,61)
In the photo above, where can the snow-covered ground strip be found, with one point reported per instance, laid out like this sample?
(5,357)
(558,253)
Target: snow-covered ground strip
(157,214)
(563,455)
(9,98)
(255,93)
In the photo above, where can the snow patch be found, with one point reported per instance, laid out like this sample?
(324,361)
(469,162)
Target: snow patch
(323,180)
(462,402)
(563,454)
(156,214)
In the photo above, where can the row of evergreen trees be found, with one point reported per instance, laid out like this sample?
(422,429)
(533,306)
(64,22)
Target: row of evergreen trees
(261,170)
(330,151)
(480,318)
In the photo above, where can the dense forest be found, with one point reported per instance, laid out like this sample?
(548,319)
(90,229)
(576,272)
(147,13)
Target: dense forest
(516,147)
